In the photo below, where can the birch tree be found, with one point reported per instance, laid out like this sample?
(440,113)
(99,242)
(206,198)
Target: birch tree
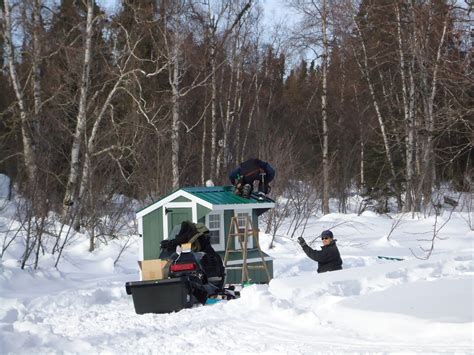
(71,193)
(313,33)
(29,155)
(218,22)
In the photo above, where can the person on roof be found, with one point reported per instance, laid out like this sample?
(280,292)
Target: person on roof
(328,257)
(251,170)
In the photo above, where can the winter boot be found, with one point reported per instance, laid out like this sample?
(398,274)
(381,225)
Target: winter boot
(246,190)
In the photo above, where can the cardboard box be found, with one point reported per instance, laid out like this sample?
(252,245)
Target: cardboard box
(155,269)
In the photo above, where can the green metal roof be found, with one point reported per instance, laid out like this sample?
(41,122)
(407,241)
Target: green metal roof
(216,195)
(223,195)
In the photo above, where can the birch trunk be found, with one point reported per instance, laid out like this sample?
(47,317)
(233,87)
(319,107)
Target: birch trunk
(251,114)
(408,96)
(223,157)
(238,114)
(27,140)
(412,156)
(203,149)
(91,142)
(213,110)
(325,201)
(429,172)
(365,72)
(226,125)
(174,81)
(36,68)
(71,193)
(361,144)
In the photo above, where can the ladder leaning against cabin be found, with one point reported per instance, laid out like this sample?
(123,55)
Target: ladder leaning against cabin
(242,236)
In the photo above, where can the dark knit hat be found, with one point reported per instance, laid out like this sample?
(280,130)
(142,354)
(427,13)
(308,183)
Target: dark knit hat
(327,233)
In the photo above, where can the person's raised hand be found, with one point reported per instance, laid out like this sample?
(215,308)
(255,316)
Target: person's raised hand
(301,241)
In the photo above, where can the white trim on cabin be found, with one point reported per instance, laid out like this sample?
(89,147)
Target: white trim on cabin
(140,226)
(202,202)
(170,198)
(249,261)
(244,206)
(191,205)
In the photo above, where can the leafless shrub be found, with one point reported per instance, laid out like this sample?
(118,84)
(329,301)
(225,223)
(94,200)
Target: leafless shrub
(127,240)
(434,236)
(303,203)
(108,221)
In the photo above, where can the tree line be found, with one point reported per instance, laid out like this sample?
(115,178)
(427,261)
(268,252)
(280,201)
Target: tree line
(370,95)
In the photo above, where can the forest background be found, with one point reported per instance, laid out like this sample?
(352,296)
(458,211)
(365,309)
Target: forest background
(366,97)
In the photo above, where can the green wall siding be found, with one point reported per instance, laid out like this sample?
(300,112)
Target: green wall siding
(152,234)
(228,214)
(255,219)
(234,276)
(181,199)
(202,211)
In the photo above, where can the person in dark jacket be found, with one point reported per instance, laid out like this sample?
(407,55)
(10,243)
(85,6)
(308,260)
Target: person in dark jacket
(188,231)
(251,170)
(328,258)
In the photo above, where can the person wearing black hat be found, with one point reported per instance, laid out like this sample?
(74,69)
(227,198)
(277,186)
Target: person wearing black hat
(251,170)
(328,257)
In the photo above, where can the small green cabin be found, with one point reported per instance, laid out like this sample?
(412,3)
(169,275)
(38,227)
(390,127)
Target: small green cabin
(214,206)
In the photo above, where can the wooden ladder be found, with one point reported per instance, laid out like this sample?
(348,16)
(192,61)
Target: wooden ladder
(243,235)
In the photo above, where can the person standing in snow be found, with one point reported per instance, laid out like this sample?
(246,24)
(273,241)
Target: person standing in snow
(328,258)
(250,171)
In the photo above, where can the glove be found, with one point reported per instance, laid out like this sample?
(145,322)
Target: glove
(168,244)
(301,241)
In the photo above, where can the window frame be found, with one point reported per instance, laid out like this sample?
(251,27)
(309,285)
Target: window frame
(249,240)
(221,245)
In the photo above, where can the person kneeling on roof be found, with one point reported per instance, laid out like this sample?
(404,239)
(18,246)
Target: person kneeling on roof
(328,257)
(250,171)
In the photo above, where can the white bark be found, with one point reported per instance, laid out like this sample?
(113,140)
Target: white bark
(203,149)
(28,147)
(409,111)
(213,109)
(174,82)
(36,69)
(213,26)
(258,87)
(231,110)
(226,126)
(428,170)
(91,141)
(71,188)
(325,200)
(365,72)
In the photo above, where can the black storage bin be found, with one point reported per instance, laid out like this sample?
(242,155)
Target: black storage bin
(160,296)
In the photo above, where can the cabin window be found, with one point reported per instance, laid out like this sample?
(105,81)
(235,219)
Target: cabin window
(242,219)
(215,224)
(214,228)
(241,222)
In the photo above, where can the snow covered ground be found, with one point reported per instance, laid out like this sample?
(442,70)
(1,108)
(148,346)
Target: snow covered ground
(373,305)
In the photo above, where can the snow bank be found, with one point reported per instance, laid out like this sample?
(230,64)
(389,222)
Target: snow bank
(373,305)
